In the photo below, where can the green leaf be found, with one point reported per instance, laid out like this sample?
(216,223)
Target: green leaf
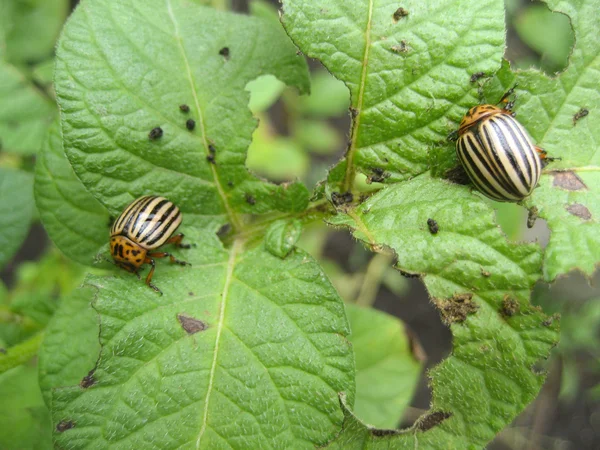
(113,91)
(264,91)
(43,73)
(16,211)
(33,26)
(41,284)
(244,350)
(568,193)
(20,353)
(318,136)
(481,283)
(275,157)
(282,236)
(70,347)
(25,115)
(75,221)
(24,417)
(387,372)
(406,77)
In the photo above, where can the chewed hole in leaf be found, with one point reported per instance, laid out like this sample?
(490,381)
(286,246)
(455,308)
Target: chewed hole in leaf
(430,420)
(547,35)
(380,433)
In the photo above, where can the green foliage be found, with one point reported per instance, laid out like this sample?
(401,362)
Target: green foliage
(75,221)
(406,77)
(16,210)
(498,335)
(282,236)
(568,194)
(132,89)
(548,33)
(70,350)
(25,419)
(25,115)
(251,345)
(387,372)
(31,27)
(208,351)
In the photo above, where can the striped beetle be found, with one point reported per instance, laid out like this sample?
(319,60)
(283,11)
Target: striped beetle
(146,224)
(497,153)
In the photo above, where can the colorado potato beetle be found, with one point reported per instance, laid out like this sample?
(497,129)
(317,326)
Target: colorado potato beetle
(497,153)
(146,224)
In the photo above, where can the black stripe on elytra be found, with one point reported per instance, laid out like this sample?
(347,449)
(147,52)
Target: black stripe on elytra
(502,175)
(149,218)
(484,158)
(158,226)
(474,173)
(133,214)
(521,142)
(166,227)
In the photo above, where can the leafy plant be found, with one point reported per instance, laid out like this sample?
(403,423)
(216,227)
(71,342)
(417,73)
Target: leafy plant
(252,346)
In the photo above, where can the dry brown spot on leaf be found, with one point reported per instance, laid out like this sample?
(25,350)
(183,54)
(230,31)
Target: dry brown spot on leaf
(88,380)
(381,433)
(431,420)
(550,320)
(191,325)
(456,308)
(510,306)
(569,181)
(339,199)
(579,210)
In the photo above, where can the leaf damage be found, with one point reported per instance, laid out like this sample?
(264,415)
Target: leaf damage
(456,308)
(579,210)
(431,420)
(568,181)
(510,306)
(191,325)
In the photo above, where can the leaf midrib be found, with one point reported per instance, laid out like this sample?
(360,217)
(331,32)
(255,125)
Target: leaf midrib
(235,250)
(230,213)
(350,168)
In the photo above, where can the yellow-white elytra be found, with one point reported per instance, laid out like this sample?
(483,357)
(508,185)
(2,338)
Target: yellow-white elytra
(146,224)
(497,153)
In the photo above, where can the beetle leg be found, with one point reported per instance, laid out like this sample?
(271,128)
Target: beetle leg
(171,257)
(509,104)
(176,240)
(150,274)
(453,136)
(543,153)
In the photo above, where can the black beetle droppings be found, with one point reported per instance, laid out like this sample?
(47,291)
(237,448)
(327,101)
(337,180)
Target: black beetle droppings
(155,133)
(433,226)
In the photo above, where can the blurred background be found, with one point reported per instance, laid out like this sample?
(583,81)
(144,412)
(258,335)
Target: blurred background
(300,138)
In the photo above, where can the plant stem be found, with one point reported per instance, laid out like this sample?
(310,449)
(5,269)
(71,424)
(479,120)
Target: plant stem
(314,212)
(372,279)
